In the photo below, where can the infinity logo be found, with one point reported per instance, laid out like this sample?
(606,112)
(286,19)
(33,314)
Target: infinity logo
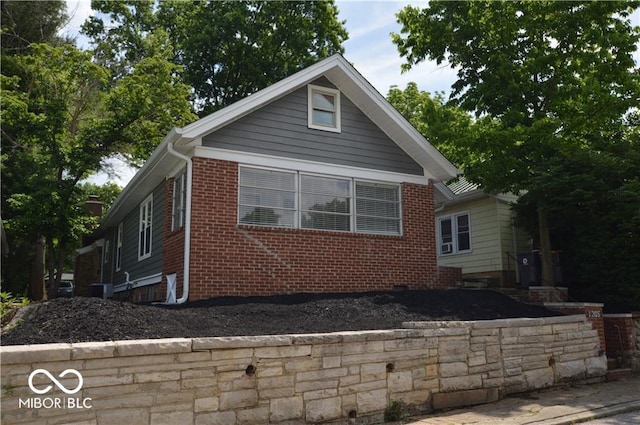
(55,381)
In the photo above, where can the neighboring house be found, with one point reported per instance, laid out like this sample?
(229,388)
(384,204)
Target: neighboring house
(314,184)
(475,231)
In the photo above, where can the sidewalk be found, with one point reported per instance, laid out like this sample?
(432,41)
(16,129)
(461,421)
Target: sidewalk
(553,407)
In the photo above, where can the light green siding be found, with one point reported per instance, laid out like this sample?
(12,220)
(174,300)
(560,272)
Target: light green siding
(491,237)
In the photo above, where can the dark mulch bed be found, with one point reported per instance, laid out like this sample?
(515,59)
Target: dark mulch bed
(92,319)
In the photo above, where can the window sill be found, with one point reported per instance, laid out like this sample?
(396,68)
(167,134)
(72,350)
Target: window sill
(333,233)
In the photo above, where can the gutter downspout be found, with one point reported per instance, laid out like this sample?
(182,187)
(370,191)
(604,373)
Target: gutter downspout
(187,223)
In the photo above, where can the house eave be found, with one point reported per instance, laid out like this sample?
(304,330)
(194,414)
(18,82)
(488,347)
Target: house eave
(337,70)
(144,181)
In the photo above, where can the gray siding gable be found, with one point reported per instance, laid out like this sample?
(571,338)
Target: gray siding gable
(280,129)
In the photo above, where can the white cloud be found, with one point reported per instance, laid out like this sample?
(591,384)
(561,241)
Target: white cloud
(78,11)
(372,52)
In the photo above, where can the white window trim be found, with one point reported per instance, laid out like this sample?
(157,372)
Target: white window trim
(353,214)
(400,205)
(118,259)
(296,190)
(107,253)
(331,92)
(286,164)
(328,176)
(148,201)
(454,230)
(178,222)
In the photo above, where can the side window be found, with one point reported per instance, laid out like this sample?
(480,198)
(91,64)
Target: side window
(325,203)
(454,234)
(446,235)
(119,248)
(324,108)
(144,241)
(107,251)
(378,208)
(179,201)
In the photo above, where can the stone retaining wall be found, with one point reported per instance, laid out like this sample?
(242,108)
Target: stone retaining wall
(295,379)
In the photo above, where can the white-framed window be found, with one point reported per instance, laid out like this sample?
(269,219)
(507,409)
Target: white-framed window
(145,228)
(119,248)
(267,197)
(107,251)
(325,203)
(378,208)
(454,234)
(179,201)
(323,108)
(294,199)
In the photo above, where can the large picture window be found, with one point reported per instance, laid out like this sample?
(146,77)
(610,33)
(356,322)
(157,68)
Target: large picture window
(144,241)
(325,203)
(454,234)
(307,201)
(267,197)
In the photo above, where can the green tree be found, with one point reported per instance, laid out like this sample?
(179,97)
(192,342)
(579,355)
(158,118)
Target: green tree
(228,49)
(547,81)
(26,22)
(446,126)
(61,118)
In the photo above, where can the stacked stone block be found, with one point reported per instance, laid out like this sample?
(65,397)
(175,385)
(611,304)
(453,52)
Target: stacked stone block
(302,379)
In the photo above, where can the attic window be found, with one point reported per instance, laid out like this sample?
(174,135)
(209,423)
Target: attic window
(324,108)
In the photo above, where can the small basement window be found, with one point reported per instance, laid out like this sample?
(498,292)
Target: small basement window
(324,108)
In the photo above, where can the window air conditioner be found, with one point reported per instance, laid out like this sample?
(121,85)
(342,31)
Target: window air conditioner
(446,248)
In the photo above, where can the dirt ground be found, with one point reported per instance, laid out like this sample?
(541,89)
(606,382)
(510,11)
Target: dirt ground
(92,319)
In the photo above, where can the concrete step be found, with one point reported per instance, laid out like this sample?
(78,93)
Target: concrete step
(618,374)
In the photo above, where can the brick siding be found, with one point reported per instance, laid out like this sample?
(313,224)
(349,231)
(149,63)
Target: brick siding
(231,259)
(173,249)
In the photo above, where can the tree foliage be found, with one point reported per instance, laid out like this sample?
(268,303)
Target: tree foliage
(26,22)
(228,49)
(61,118)
(551,84)
(445,126)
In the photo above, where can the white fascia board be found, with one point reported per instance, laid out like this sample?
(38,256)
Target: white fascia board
(258,99)
(89,248)
(444,190)
(261,160)
(124,202)
(380,111)
(143,281)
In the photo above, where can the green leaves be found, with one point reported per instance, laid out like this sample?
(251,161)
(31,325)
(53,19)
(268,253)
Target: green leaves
(144,106)
(227,50)
(447,127)
(62,115)
(555,92)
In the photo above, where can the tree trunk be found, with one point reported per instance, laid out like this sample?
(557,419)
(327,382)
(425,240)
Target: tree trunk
(37,290)
(546,257)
